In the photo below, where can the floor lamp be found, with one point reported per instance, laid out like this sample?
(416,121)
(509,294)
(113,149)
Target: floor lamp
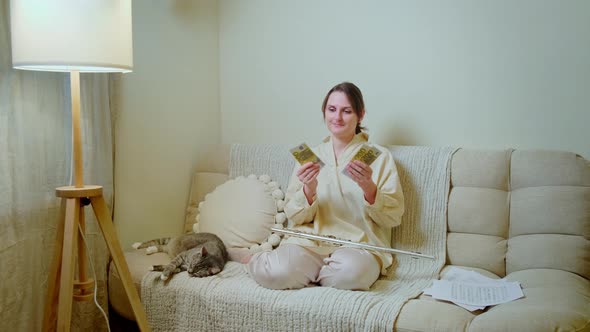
(76,36)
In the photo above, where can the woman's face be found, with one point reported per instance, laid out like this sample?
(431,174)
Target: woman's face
(339,116)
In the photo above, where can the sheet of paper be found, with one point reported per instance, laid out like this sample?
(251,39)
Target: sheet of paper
(470,307)
(476,294)
(465,306)
(469,276)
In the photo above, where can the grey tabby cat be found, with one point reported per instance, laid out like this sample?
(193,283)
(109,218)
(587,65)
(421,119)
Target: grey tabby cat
(200,254)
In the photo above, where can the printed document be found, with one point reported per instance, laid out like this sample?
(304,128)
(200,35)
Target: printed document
(472,290)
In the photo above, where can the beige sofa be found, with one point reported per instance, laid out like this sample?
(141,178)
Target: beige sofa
(519,214)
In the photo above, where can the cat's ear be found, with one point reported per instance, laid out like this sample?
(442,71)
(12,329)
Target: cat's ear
(203,251)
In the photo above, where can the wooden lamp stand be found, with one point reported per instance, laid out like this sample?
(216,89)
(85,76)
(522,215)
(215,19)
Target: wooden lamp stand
(62,288)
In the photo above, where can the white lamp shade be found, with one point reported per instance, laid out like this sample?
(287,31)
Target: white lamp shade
(66,35)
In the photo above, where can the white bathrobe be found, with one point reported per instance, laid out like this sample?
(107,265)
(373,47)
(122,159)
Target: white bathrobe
(340,209)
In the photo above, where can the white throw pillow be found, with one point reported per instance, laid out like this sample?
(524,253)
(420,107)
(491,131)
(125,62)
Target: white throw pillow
(241,212)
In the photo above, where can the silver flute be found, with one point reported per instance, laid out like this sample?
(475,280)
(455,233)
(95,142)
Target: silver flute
(348,243)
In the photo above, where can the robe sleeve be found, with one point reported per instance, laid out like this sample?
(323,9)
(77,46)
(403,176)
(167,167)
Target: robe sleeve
(297,207)
(388,208)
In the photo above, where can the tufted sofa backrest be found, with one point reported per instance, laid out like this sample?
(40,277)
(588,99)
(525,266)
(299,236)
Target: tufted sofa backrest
(509,210)
(515,210)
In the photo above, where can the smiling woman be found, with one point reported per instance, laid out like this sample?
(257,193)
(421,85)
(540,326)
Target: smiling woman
(346,198)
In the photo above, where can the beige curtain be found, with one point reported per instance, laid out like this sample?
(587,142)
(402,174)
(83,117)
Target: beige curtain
(35,158)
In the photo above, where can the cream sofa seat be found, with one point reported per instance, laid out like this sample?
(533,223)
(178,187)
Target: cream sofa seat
(521,215)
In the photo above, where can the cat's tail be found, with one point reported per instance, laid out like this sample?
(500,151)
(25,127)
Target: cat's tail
(155,242)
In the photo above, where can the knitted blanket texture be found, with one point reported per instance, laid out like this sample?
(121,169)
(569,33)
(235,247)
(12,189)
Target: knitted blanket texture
(232,301)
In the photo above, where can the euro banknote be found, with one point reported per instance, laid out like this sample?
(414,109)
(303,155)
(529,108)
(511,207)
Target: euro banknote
(303,154)
(367,154)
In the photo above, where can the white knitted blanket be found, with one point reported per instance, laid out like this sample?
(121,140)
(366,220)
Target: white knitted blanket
(232,301)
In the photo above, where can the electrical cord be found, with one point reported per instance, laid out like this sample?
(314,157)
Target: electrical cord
(71,180)
(95,282)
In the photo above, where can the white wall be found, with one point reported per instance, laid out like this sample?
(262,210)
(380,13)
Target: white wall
(169,103)
(490,74)
(470,73)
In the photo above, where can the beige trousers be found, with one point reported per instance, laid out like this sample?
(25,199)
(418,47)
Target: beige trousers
(291,267)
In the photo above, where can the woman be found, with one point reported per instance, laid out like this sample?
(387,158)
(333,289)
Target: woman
(362,205)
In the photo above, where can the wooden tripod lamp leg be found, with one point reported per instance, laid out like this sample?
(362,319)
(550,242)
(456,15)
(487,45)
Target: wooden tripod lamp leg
(53,281)
(83,286)
(66,287)
(106,225)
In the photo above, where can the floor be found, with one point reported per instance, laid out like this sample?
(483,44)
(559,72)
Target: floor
(121,324)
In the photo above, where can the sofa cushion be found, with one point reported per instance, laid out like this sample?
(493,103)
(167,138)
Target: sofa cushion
(474,250)
(485,273)
(139,264)
(554,301)
(431,315)
(531,168)
(478,211)
(481,168)
(551,278)
(553,209)
(551,251)
(241,211)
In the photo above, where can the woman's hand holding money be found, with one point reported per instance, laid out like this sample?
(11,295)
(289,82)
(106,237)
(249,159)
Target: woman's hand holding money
(308,174)
(362,174)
